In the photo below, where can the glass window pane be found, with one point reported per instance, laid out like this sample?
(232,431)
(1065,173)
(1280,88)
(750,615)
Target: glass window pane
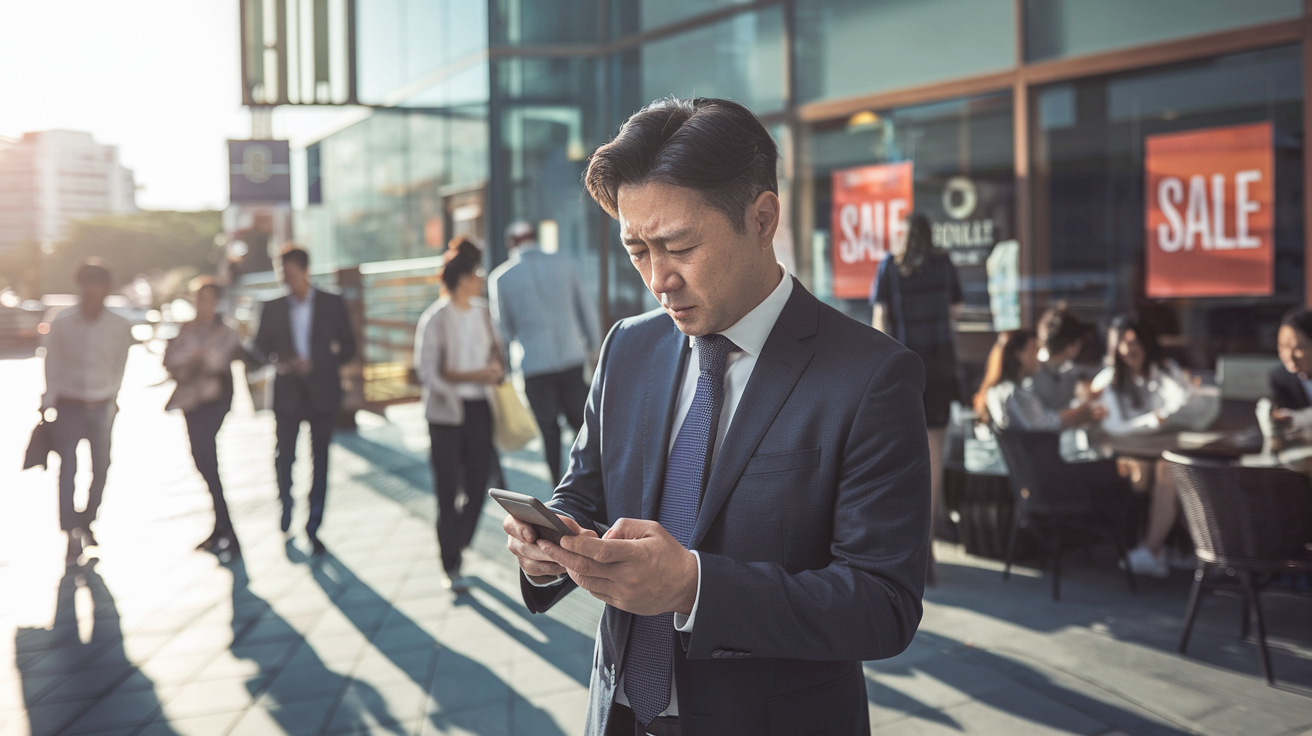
(1058,28)
(634,16)
(741,58)
(954,147)
(851,47)
(549,125)
(547,22)
(1089,161)
(406,46)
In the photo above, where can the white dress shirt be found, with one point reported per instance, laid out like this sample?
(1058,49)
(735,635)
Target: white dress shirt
(300,315)
(749,334)
(85,358)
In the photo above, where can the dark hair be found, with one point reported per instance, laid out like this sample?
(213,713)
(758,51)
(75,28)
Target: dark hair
(298,256)
(1059,329)
(201,283)
(716,147)
(93,271)
(1300,318)
(1122,375)
(920,245)
(462,258)
(1003,365)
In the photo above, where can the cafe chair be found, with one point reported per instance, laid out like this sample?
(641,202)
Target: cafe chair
(1246,521)
(1062,504)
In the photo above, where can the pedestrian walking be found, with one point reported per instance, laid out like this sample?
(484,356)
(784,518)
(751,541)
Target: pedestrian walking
(307,336)
(916,298)
(86,355)
(200,360)
(458,360)
(538,300)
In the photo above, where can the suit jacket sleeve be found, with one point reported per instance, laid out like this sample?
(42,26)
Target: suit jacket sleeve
(504,316)
(585,313)
(265,342)
(344,333)
(1286,390)
(866,604)
(581,494)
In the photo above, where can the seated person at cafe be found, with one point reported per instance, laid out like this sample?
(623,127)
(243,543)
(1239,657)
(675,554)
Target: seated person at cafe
(1104,377)
(1060,339)
(1145,393)
(1007,395)
(1291,387)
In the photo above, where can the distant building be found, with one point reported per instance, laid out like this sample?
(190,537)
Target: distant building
(51,178)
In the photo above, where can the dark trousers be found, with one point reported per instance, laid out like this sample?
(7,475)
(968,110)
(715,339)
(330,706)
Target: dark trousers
(549,396)
(79,421)
(321,436)
(460,452)
(203,425)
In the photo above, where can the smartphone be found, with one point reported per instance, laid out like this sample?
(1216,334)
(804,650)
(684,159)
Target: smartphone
(532,511)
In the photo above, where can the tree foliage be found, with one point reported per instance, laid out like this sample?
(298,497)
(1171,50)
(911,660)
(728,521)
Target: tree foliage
(150,242)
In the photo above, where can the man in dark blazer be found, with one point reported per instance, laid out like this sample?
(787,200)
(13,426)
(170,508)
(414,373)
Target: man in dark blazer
(307,336)
(1289,380)
(760,460)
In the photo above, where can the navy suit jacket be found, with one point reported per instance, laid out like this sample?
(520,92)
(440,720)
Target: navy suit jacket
(813,530)
(332,345)
(1287,390)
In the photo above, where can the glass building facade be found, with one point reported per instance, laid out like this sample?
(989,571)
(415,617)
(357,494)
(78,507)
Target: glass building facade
(1027,125)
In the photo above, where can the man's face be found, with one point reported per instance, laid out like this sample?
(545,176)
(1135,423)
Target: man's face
(94,292)
(295,277)
(704,273)
(1295,350)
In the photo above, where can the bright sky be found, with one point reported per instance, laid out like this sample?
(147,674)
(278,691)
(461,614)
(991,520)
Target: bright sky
(158,78)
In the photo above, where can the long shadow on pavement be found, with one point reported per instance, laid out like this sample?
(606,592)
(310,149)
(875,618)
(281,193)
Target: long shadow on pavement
(1002,684)
(70,682)
(466,694)
(567,649)
(301,694)
(1154,617)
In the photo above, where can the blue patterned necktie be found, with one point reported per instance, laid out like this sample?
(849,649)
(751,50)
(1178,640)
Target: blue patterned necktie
(651,639)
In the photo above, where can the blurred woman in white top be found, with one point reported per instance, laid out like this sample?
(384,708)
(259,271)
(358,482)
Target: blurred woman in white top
(1143,396)
(1145,391)
(458,359)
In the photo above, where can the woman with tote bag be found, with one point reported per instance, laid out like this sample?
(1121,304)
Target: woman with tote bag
(200,360)
(458,362)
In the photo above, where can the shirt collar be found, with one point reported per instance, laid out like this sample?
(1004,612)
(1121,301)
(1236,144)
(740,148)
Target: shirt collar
(309,297)
(751,332)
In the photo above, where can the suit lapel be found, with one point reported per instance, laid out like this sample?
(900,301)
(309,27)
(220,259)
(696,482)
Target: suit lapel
(664,379)
(780,365)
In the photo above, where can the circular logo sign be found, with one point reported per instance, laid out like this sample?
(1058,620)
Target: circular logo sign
(256,160)
(960,197)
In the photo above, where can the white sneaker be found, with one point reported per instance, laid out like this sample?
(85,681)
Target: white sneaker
(1147,564)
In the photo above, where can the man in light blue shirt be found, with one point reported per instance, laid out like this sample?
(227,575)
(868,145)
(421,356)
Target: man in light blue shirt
(538,299)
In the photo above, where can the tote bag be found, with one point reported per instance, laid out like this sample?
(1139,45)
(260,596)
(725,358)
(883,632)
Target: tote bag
(512,423)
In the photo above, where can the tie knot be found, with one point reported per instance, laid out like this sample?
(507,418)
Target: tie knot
(712,350)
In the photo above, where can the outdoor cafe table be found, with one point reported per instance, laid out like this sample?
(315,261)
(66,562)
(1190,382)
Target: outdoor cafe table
(1232,444)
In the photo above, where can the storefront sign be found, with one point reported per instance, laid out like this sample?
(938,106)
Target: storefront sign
(1210,212)
(869,215)
(969,217)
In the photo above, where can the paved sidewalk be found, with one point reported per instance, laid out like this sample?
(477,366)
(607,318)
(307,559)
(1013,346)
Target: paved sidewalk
(154,638)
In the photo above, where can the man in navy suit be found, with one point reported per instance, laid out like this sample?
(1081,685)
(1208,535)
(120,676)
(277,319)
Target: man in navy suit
(307,336)
(759,457)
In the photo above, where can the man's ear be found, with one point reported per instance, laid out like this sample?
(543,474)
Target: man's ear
(763,218)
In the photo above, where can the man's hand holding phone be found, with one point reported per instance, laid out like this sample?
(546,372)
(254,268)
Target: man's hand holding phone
(522,541)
